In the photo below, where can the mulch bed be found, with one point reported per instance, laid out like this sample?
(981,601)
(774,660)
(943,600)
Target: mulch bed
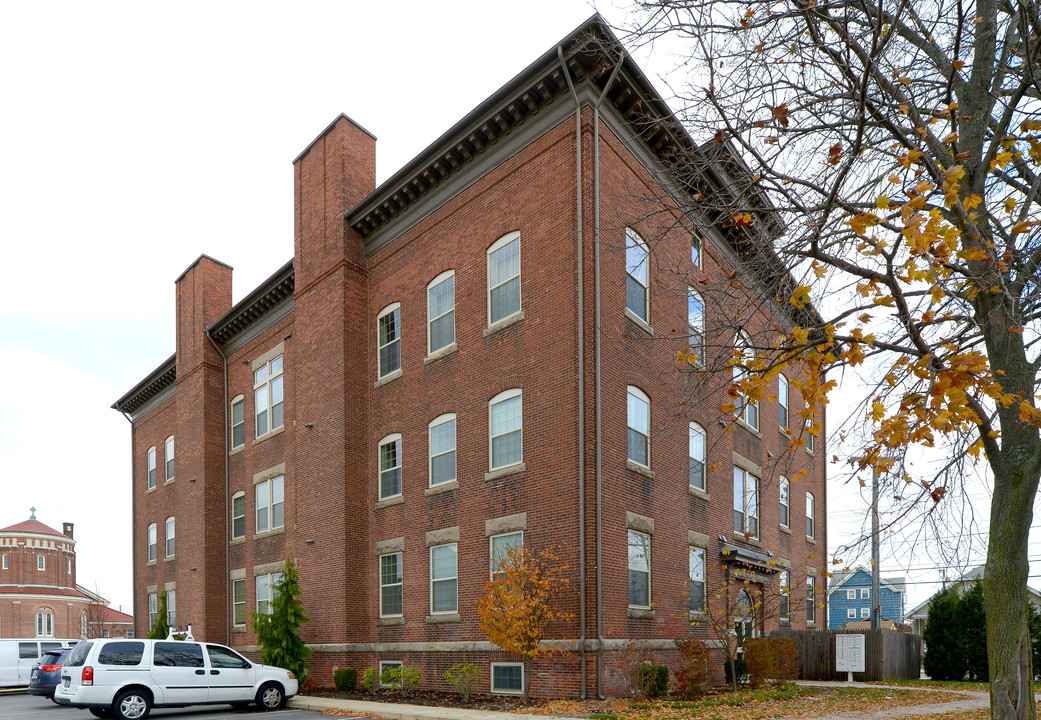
(430,698)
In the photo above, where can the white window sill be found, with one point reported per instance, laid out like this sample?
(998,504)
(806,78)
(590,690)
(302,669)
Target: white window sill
(169,558)
(149,490)
(396,500)
(505,471)
(389,621)
(640,613)
(236,451)
(269,533)
(741,423)
(638,468)
(754,542)
(440,353)
(237,541)
(150,563)
(438,618)
(389,377)
(698,492)
(697,615)
(811,624)
(441,488)
(504,323)
(640,322)
(270,434)
(811,541)
(785,529)
(167,482)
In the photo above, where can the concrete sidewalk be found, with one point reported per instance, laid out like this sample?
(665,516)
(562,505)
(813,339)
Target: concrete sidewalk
(408,712)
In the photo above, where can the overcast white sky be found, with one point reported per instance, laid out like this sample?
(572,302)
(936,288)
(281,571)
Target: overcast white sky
(135,136)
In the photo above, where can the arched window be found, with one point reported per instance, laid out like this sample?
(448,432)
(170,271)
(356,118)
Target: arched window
(744,620)
(638,413)
(41,562)
(745,409)
(504,269)
(785,503)
(782,402)
(441,436)
(696,325)
(389,328)
(441,311)
(505,429)
(390,466)
(170,536)
(238,515)
(151,543)
(697,248)
(169,458)
(150,481)
(809,515)
(44,623)
(697,456)
(637,275)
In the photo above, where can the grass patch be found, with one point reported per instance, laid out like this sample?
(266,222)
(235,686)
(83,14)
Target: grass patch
(604,716)
(941,684)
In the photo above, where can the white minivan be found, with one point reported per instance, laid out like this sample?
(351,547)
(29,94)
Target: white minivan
(126,678)
(18,655)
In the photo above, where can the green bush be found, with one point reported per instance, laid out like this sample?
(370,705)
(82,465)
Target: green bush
(464,677)
(370,679)
(944,653)
(692,670)
(973,621)
(740,667)
(408,680)
(345,679)
(652,681)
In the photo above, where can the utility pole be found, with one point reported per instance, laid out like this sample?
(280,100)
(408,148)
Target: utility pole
(876,605)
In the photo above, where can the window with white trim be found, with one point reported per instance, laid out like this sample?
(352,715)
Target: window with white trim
(784,606)
(499,549)
(151,542)
(238,515)
(745,409)
(865,613)
(811,609)
(390,466)
(388,324)
(865,593)
(153,610)
(504,290)
(3,562)
(238,602)
(444,579)
(171,608)
(851,594)
(639,569)
(785,502)
(782,402)
(170,536)
(268,396)
(270,497)
(505,426)
(41,562)
(697,248)
(388,665)
(696,589)
(238,423)
(150,478)
(45,623)
(746,502)
(696,325)
(637,275)
(267,591)
(810,438)
(809,515)
(441,438)
(168,457)
(697,456)
(391,599)
(507,678)
(638,416)
(441,311)
(851,613)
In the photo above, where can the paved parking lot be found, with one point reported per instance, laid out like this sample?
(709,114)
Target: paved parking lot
(20,706)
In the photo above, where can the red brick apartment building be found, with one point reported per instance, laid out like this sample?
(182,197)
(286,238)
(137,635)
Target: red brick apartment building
(425,383)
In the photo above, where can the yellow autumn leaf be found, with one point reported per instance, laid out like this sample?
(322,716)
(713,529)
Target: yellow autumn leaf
(801,296)
(972,201)
(862,221)
(1010,204)
(882,202)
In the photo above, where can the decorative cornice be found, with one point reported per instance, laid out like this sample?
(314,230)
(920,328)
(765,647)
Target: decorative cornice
(254,306)
(154,383)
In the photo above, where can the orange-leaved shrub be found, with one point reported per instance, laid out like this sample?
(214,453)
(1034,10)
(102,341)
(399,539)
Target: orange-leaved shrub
(692,671)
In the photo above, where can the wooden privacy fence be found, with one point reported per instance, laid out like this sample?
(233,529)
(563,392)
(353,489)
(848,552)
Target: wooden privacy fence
(888,654)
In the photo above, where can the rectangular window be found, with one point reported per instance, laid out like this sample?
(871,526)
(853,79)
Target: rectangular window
(238,516)
(441,435)
(151,469)
(637,277)
(639,569)
(238,602)
(268,396)
(784,606)
(865,593)
(390,585)
(389,344)
(169,458)
(386,665)
(745,409)
(504,278)
(851,613)
(638,414)
(696,325)
(697,247)
(746,502)
(500,546)
(851,594)
(809,436)
(267,591)
(785,505)
(505,428)
(170,534)
(270,504)
(238,423)
(68,566)
(441,311)
(809,515)
(697,456)
(151,543)
(171,608)
(811,610)
(782,402)
(444,579)
(390,467)
(153,610)
(508,678)
(697,579)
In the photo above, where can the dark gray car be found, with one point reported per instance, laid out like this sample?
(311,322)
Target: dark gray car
(46,674)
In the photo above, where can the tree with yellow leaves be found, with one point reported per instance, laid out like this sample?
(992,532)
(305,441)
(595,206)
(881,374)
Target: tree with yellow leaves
(888,153)
(520,602)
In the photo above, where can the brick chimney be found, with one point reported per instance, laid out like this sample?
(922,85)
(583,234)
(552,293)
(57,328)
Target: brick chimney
(66,529)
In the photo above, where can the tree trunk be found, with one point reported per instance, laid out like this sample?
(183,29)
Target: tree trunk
(526,684)
(1005,594)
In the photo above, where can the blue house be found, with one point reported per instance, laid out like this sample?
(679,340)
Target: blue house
(849,598)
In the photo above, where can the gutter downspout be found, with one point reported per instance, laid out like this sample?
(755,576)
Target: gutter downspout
(227,513)
(133,545)
(599,414)
(581,377)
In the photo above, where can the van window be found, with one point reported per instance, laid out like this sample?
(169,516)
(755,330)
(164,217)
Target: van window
(178,654)
(78,656)
(28,650)
(50,646)
(121,653)
(222,657)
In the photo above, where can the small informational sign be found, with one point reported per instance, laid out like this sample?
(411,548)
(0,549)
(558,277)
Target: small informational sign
(849,654)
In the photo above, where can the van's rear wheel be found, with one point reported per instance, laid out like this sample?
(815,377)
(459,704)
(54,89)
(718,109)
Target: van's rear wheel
(132,705)
(271,697)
